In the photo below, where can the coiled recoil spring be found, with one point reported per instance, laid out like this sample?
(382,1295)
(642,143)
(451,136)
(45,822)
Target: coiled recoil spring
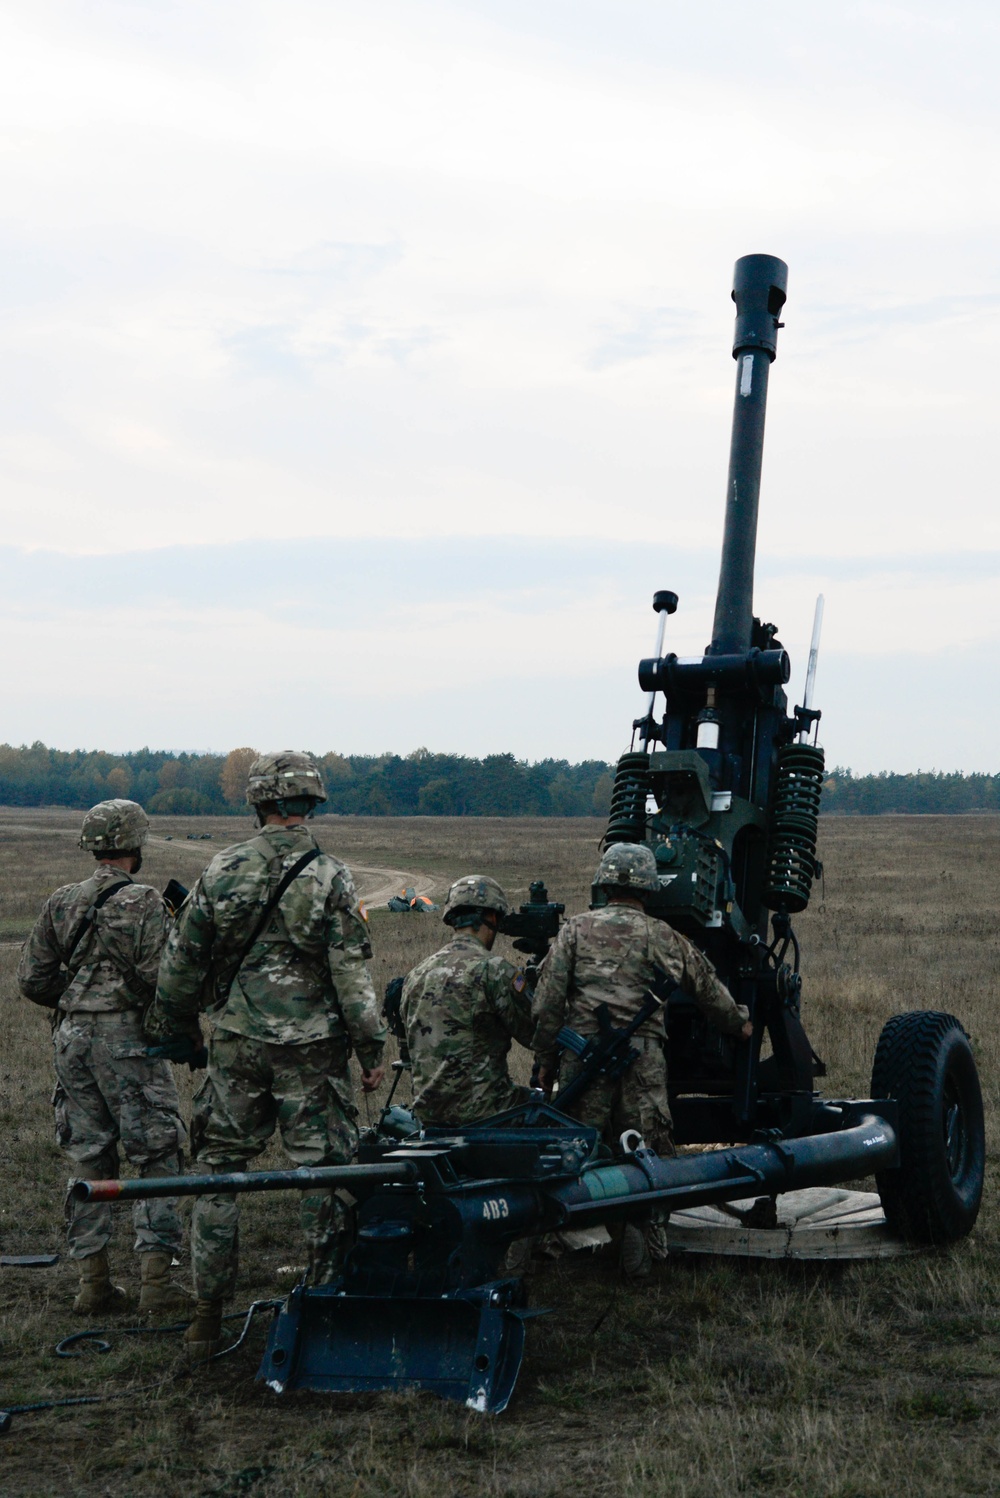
(791,856)
(627,821)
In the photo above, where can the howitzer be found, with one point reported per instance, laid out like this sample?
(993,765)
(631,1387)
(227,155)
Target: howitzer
(724,788)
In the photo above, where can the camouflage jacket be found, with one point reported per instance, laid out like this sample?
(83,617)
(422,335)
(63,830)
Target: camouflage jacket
(461,1008)
(305,976)
(112,967)
(606,956)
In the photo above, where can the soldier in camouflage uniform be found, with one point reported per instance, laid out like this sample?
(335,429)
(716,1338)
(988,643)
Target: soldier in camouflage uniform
(461,1008)
(606,956)
(92,958)
(288,999)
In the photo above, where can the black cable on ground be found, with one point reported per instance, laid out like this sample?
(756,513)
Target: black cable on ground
(612,1301)
(258,1305)
(97,1334)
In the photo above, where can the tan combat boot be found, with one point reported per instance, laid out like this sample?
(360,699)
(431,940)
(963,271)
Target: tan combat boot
(203,1338)
(159,1296)
(97,1293)
(657,1240)
(636,1261)
(517,1259)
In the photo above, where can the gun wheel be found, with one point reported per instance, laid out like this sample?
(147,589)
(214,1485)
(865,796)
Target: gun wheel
(925,1062)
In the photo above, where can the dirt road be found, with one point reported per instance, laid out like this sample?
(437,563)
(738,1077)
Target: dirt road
(374,885)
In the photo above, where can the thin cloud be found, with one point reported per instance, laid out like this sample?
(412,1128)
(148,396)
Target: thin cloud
(423,310)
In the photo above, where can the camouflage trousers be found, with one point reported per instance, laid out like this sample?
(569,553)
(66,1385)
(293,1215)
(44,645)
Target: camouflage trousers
(108,1094)
(251,1087)
(637,1100)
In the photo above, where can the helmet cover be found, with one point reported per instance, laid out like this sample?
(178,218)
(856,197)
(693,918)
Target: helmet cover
(475,892)
(283,775)
(116,826)
(627,868)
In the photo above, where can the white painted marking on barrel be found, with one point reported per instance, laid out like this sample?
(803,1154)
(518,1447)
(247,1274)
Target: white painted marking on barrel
(746,374)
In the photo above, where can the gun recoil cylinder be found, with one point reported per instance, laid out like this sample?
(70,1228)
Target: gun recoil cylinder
(679,677)
(627,821)
(791,857)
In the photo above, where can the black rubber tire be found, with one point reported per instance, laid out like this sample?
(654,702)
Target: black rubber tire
(925,1062)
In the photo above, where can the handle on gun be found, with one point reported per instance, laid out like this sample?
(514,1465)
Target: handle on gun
(570,1040)
(617,1064)
(608,1053)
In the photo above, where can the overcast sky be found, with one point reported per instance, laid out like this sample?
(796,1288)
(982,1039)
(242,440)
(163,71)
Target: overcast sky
(367,366)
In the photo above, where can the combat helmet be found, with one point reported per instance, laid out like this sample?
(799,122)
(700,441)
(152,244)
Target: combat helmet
(116,826)
(469,897)
(627,868)
(284,777)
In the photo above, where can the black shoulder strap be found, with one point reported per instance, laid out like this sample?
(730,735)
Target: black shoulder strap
(88,919)
(265,915)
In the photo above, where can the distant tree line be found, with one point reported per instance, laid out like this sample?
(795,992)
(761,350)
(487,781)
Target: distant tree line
(420,784)
(926,791)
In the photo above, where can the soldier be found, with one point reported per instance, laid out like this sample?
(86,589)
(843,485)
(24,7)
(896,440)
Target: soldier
(272,942)
(606,956)
(461,1008)
(92,958)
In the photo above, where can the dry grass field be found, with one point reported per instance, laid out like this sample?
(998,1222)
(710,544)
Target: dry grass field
(851,1381)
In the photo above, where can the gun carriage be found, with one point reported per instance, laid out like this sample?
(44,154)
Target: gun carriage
(724,787)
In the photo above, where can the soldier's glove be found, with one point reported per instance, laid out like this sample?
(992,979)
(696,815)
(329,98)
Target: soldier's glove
(50,1001)
(189,1049)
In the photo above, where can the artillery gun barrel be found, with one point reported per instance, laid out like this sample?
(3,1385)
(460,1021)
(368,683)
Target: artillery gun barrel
(760,284)
(243,1181)
(599,1193)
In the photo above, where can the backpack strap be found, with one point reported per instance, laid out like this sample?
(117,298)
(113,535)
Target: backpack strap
(272,904)
(89,913)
